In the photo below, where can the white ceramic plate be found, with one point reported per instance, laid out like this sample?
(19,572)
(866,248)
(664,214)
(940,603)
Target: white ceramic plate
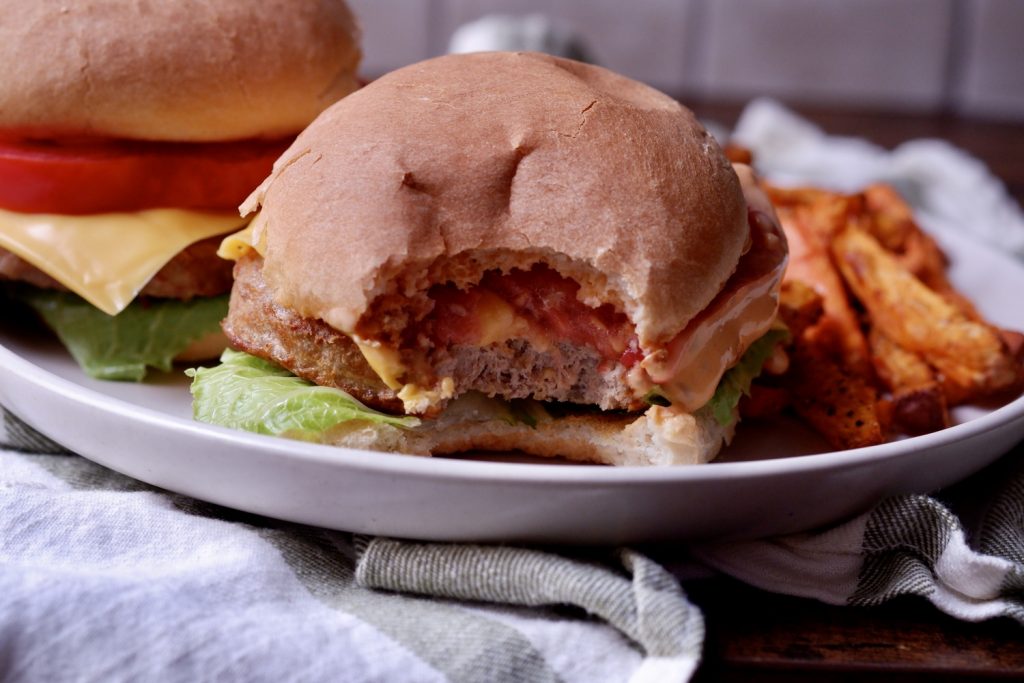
(765,483)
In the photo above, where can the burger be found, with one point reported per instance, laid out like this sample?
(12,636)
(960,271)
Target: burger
(501,251)
(129,134)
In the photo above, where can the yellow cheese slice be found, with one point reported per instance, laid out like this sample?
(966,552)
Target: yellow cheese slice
(499,322)
(384,361)
(250,238)
(236,245)
(107,258)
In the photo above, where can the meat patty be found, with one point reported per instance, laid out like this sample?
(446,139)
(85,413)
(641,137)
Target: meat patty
(312,349)
(309,348)
(562,372)
(196,271)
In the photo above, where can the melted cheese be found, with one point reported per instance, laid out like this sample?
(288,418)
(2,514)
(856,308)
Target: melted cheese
(499,322)
(107,258)
(496,322)
(417,400)
(250,238)
(386,362)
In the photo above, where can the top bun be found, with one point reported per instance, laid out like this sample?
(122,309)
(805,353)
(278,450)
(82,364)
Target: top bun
(465,163)
(183,70)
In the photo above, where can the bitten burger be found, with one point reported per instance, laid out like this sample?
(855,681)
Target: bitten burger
(501,251)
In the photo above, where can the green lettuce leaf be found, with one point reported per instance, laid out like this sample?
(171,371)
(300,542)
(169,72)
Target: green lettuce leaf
(736,382)
(148,333)
(246,392)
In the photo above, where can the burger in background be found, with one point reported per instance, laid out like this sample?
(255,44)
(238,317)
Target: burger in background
(129,134)
(501,251)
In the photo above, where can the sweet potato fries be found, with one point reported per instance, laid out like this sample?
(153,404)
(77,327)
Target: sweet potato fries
(882,344)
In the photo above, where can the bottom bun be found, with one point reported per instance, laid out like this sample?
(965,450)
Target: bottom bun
(659,436)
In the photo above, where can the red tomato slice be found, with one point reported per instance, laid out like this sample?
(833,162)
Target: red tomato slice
(127,175)
(541,296)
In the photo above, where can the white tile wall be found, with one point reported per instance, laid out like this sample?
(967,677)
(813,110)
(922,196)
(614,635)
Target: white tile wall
(644,39)
(990,77)
(395,32)
(869,52)
(899,54)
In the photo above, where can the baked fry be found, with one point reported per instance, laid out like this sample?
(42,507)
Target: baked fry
(919,405)
(829,381)
(839,404)
(800,306)
(892,220)
(892,224)
(809,232)
(881,338)
(970,355)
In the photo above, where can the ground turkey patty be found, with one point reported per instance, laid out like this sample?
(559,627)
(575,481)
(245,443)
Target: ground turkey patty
(312,349)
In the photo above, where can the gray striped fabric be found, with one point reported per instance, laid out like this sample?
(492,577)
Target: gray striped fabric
(916,545)
(647,605)
(17,435)
(961,550)
(458,612)
(467,612)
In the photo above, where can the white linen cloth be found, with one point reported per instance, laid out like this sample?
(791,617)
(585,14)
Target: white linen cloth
(106,579)
(948,188)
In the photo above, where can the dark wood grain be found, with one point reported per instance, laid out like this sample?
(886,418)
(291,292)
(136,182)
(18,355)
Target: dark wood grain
(754,636)
(757,636)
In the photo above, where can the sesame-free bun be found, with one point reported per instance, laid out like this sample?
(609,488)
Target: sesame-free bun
(657,437)
(182,70)
(465,163)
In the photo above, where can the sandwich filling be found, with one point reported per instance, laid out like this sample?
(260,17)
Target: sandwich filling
(526,334)
(87,226)
(505,235)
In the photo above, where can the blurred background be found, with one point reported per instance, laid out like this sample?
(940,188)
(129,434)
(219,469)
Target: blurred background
(959,58)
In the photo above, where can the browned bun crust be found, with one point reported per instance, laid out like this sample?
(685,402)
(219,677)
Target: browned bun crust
(188,71)
(464,163)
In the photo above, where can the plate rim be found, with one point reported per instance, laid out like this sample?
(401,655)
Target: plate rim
(469,470)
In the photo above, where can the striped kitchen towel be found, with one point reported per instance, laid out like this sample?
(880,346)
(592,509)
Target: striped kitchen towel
(103,578)
(962,549)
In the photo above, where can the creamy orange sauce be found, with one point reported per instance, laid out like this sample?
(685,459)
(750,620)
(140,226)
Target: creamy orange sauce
(688,369)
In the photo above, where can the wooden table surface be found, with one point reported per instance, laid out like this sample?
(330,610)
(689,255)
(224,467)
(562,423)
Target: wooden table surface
(778,638)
